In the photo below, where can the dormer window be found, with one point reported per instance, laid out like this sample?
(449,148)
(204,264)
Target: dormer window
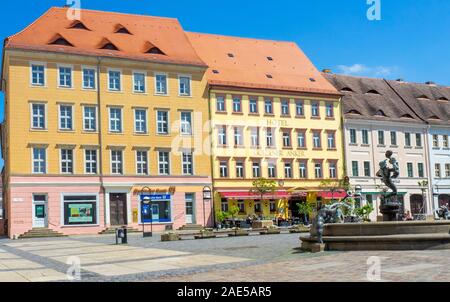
(120,29)
(380,113)
(108,45)
(270,58)
(407,116)
(269,76)
(152,49)
(215,71)
(444,99)
(312,79)
(353,111)
(372,92)
(434,117)
(423,97)
(78,25)
(230,55)
(346,89)
(60,40)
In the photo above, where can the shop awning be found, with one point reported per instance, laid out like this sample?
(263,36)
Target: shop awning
(380,193)
(248,195)
(331,195)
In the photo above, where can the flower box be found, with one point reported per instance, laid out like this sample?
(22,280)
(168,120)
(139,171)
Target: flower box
(170,237)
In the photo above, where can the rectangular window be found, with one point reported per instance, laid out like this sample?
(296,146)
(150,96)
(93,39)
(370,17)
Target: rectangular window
(408,139)
(381,138)
(39,161)
(353,139)
(188,163)
(139,82)
(238,136)
(418,140)
(273,206)
(367,172)
(141,162)
(239,169)
(303,169)
(223,169)
(301,139)
(80,210)
(355,169)
(37,75)
(162,122)
(161,84)
(163,163)
(365,136)
(331,139)
(224,205)
(288,170)
(269,137)
(258,208)
(115,119)
(237,105)
(272,170)
(220,104)
(185,86)
(268,107)
(256,167)
(140,121)
(186,123)
(38,116)
(318,170)
(241,206)
(253,106)
(447,170)
(435,141)
(299,109)
(114,80)
(66,161)
(65,77)
(330,110)
(393,138)
(285,107)
(421,170)
(88,78)
(315,109)
(117,162)
(437,170)
(317,141)
(287,139)
(65,117)
(332,170)
(159,210)
(90,161)
(89,118)
(410,171)
(222,135)
(445,142)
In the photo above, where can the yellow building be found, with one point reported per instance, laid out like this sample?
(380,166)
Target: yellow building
(97,109)
(273,116)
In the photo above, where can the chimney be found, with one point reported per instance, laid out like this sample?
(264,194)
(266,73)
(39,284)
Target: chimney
(327,71)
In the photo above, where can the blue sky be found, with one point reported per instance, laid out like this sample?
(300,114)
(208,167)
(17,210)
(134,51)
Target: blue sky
(411,41)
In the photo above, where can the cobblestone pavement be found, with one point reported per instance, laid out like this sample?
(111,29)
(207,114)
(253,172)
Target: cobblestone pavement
(254,258)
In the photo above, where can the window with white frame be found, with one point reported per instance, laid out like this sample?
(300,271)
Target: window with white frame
(269,137)
(66,117)
(253,103)
(301,139)
(288,170)
(239,169)
(353,137)
(237,105)
(410,170)
(115,119)
(141,162)
(38,116)
(355,169)
(435,141)
(188,163)
(254,137)
(331,138)
(393,138)
(90,161)
(285,107)
(418,140)
(90,118)
(381,137)
(162,122)
(299,109)
(185,85)
(329,109)
(186,122)
(238,133)
(318,170)
(303,169)
(38,74)
(67,161)
(332,169)
(164,163)
(161,83)
(223,169)
(421,169)
(272,170)
(117,162)
(256,168)
(140,121)
(114,80)
(445,142)
(365,136)
(447,170)
(89,78)
(317,141)
(315,109)
(407,139)
(39,161)
(287,139)
(437,170)
(220,104)
(268,106)
(65,77)
(139,82)
(222,135)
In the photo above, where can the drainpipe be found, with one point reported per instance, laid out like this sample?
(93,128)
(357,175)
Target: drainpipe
(211,158)
(100,137)
(429,171)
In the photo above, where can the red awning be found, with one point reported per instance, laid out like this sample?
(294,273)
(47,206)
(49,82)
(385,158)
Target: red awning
(331,195)
(248,195)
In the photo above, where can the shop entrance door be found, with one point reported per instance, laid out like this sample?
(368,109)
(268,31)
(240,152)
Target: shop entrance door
(190,218)
(40,217)
(118,209)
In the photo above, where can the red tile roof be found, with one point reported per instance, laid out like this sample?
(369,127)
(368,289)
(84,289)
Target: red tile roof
(260,64)
(99,28)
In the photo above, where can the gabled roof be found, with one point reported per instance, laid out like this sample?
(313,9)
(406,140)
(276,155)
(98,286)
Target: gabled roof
(164,33)
(258,64)
(430,102)
(359,104)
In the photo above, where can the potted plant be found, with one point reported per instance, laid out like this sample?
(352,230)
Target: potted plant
(364,212)
(233,211)
(220,218)
(170,236)
(237,232)
(271,230)
(305,209)
(206,234)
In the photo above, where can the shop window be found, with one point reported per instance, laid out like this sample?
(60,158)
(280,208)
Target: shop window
(158,210)
(224,205)
(241,206)
(258,209)
(273,206)
(80,210)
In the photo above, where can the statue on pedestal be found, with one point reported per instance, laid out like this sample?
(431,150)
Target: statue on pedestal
(389,170)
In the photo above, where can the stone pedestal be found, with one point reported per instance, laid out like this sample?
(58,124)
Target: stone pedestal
(390,207)
(261,224)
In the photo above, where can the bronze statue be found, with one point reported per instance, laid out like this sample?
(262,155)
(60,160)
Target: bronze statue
(389,170)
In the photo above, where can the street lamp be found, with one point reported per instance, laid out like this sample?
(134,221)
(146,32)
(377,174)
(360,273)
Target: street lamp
(146,200)
(207,196)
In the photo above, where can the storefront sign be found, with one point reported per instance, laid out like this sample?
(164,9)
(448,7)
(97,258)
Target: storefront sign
(170,191)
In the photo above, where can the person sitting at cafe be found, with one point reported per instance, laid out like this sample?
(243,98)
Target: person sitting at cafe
(408,216)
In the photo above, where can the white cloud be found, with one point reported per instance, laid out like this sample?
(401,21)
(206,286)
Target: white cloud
(363,70)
